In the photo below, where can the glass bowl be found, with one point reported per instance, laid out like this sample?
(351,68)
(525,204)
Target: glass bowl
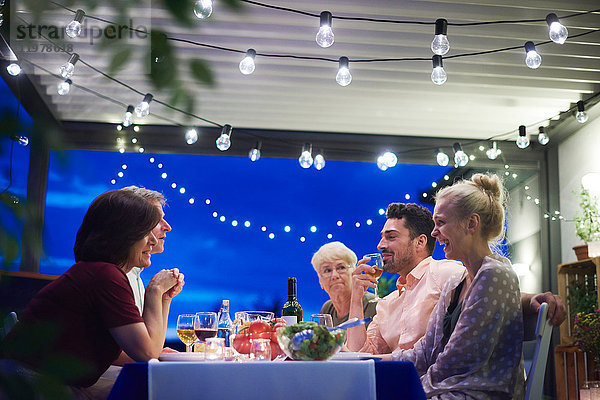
(308,341)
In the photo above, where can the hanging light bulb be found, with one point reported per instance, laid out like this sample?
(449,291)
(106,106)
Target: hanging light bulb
(438,75)
(128,117)
(66,71)
(254,153)
(1,18)
(442,158)
(581,115)
(533,60)
(319,162)
(460,157)
(522,139)
(224,141)
(440,44)
(74,28)
(343,77)
(381,163)
(543,138)
(325,35)
(143,108)
(493,152)
(557,31)
(64,87)
(389,159)
(13,69)
(203,8)
(247,64)
(191,136)
(22,140)
(306,159)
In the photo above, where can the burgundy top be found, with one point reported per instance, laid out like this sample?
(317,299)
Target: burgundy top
(83,304)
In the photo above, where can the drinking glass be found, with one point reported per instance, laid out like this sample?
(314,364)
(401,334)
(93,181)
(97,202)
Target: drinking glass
(260,349)
(205,325)
(258,316)
(185,330)
(376,261)
(322,319)
(214,349)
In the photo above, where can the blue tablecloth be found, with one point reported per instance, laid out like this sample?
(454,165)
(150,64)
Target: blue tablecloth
(264,381)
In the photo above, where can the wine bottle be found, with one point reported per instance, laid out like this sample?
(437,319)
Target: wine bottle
(291,311)
(224,325)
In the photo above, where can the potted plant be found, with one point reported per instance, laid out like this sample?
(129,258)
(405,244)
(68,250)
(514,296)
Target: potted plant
(587,222)
(587,334)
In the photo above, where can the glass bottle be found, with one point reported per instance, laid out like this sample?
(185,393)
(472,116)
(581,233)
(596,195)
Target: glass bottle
(292,311)
(225,324)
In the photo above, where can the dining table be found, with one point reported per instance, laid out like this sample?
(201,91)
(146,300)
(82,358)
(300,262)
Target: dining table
(290,380)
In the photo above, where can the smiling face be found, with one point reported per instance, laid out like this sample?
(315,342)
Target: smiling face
(335,277)
(160,231)
(139,254)
(450,231)
(397,248)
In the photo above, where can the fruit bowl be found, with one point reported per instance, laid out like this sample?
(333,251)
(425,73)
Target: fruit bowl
(309,341)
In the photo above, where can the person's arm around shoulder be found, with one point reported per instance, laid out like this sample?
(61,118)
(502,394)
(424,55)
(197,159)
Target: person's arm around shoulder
(357,336)
(531,303)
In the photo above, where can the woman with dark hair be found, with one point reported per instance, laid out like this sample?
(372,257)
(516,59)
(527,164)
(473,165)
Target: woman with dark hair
(88,315)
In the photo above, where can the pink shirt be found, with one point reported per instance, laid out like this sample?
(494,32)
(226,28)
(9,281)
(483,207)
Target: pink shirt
(402,315)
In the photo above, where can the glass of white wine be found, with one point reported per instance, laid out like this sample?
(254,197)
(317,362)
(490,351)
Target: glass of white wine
(376,261)
(185,330)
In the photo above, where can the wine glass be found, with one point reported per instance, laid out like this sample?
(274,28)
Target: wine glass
(376,261)
(205,325)
(322,319)
(185,330)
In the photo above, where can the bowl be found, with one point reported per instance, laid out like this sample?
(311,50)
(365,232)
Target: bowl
(309,341)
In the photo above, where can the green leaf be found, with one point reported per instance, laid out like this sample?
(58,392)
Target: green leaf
(201,72)
(234,4)
(181,10)
(163,64)
(119,59)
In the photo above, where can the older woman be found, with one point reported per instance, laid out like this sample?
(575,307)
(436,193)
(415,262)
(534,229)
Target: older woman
(472,348)
(334,263)
(88,315)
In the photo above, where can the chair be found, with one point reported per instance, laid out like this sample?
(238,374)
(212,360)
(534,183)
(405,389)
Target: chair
(535,373)
(9,321)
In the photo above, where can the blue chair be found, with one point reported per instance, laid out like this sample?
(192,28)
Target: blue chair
(535,368)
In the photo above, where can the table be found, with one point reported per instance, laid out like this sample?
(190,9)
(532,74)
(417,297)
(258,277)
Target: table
(305,380)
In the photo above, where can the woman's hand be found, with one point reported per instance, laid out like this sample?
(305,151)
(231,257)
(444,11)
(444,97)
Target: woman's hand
(164,280)
(175,290)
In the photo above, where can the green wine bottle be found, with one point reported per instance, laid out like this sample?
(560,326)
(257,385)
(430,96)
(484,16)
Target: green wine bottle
(291,311)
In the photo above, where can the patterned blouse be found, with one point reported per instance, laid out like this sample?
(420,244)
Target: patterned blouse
(483,357)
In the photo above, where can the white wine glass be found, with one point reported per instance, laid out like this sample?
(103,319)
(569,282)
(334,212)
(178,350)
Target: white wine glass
(376,261)
(185,330)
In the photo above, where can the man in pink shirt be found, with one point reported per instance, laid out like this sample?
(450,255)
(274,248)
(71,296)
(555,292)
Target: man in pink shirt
(407,245)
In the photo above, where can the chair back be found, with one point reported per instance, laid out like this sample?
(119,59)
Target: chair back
(9,321)
(535,375)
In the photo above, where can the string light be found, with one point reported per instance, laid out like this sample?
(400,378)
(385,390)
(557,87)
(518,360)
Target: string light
(64,87)
(460,157)
(67,69)
(389,159)
(442,158)
(74,28)
(247,64)
(381,163)
(203,9)
(440,44)
(319,162)
(543,138)
(438,75)
(128,117)
(224,141)
(493,152)
(306,159)
(13,69)
(325,37)
(191,136)
(581,115)
(143,108)
(343,77)
(533,60)
(522,139)
(557,31)
(254,153)
(22,140)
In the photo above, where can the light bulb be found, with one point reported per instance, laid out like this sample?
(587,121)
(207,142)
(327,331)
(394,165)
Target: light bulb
(224,141)
(389,159)
(440,44)
(128,117)
(203,9)
(143,108)
(557,31)
(74,28)
(254,154)
(64,87)
(191,136)
(306,159)
(543,138)
(442,158)
(581,115)
(522,139)
(319,162)
(22,140)
(1,18)
(13,69)
(247,64)
(493,152)
(343,77)
(438,75)
(533,60)
(381,163)
(325,35)
(460,157)
(66,71)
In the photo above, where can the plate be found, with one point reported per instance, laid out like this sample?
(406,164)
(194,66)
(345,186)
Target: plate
(181,356)
(348,355)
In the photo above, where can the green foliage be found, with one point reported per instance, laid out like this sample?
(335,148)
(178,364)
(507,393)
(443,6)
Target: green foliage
(587,332)
(119,59)
(201,72)
(582,297)
(587,219)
